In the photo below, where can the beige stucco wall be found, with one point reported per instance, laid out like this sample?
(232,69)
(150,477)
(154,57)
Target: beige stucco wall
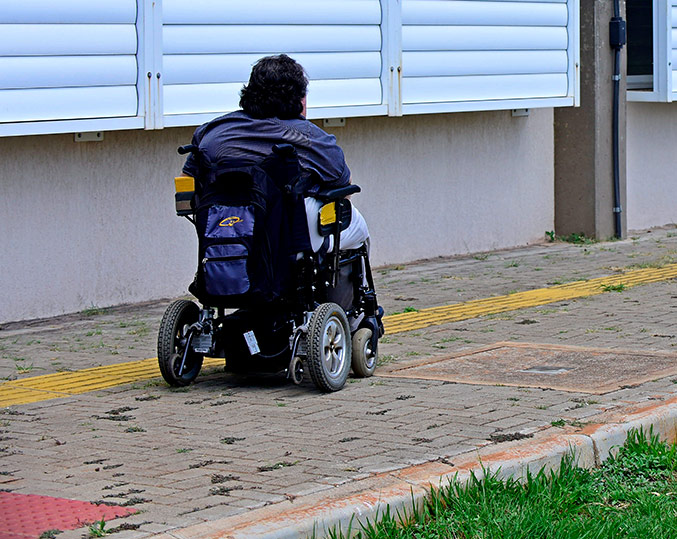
(652,176)
(93,224)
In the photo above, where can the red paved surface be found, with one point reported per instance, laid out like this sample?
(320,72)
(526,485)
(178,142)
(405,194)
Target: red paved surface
(24,516)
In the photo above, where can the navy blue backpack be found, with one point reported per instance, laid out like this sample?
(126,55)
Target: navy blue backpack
(251,223)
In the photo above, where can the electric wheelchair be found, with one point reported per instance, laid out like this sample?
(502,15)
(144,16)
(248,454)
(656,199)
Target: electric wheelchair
(268,301)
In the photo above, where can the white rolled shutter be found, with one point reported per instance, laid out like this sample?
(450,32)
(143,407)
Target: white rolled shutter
(209,48)
(488,54)
(67,66)
(81,65)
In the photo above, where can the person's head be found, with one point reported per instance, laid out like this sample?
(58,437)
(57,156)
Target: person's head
(277,88)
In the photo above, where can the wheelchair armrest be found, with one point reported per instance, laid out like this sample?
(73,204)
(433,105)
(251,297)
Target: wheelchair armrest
(328,195)
(185,189)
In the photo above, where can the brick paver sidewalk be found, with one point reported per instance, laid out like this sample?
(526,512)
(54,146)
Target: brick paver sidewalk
(228,444)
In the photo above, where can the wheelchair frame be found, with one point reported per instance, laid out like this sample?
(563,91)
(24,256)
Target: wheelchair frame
(306,333)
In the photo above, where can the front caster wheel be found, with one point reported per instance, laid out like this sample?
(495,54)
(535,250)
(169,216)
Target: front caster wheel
(364,358)
(173,338)
(296,370)
(329,349)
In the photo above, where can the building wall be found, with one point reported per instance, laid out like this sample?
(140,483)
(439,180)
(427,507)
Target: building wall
(93,224)
(652,184)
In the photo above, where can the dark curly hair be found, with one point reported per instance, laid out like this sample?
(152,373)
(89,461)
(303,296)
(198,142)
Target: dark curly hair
(276,87)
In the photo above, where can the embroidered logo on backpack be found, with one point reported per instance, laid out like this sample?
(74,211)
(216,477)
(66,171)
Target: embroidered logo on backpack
(230,221)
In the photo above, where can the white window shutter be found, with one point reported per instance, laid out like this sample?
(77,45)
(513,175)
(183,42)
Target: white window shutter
(68,66)
(209,48)
(123,64)
(460,55)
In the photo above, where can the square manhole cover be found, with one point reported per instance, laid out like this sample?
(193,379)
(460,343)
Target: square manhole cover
(567,368)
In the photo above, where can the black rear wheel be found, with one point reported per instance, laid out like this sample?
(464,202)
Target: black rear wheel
(329,348)
(173,338)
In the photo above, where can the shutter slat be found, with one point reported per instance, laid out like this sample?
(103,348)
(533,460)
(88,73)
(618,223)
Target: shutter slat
(67,39)
(217,98)
(271,12)
(68,11)
(440,38)
(481,88)
(67,71)
(270,39)
(67,103)
(220,68)
(454,63)
(472,13)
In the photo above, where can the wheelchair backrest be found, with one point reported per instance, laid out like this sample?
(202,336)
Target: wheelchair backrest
(250,223)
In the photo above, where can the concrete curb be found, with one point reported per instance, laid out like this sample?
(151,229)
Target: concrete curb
(610,436)
(348,505)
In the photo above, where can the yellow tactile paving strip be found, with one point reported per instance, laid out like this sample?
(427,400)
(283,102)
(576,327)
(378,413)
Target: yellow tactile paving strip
(433,316)
(65,384)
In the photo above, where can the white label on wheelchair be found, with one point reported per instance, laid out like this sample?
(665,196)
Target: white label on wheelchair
(202,344)
(252,343)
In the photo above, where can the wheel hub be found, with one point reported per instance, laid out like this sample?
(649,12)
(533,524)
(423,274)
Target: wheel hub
(334,347)
(369,355)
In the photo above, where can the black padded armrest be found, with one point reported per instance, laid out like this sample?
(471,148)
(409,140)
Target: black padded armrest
(328,195)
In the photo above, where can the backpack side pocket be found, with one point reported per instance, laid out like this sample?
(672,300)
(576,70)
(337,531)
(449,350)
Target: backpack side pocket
(225,269)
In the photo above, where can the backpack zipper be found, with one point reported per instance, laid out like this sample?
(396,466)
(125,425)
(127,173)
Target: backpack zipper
(223,258)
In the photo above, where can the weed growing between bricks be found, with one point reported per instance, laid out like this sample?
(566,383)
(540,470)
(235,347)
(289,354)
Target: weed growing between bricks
(219,478)
(277,466)
(204,463)
(223,491)
(631,495)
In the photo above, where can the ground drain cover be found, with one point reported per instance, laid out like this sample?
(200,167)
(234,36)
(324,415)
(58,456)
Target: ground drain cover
(567,368)
(26,516)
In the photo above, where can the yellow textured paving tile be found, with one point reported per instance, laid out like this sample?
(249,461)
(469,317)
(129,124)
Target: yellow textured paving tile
(13,396)
(64,384)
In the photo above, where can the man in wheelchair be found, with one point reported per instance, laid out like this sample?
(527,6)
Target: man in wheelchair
(278,240)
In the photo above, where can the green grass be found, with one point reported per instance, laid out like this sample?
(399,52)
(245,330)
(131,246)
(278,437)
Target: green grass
(631,495)
(23,369)
(98,529)
(578,239)
(94,310)
(406,310)
(613,287)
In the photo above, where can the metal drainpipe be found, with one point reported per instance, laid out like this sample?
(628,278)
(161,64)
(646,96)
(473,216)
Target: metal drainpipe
(617,39)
